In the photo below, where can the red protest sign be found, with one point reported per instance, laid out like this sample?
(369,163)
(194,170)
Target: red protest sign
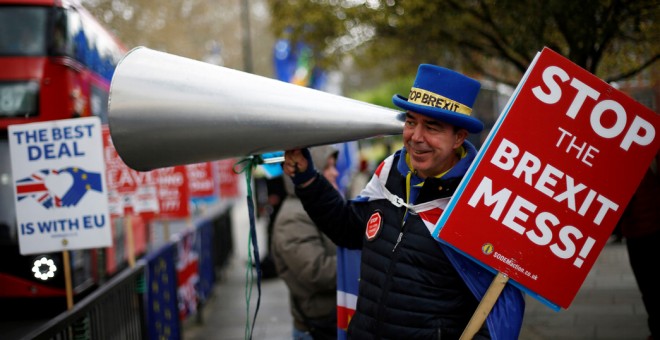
(228,180)
(129,191)
(201,179)
(552,179)
(173,193)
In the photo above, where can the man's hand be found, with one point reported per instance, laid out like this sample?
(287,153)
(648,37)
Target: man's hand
(299,166)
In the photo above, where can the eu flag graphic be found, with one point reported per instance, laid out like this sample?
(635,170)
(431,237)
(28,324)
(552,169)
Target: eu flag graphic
(83,182)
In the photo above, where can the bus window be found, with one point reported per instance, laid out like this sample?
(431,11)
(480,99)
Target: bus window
(23,31)
(19,99)
(60,45)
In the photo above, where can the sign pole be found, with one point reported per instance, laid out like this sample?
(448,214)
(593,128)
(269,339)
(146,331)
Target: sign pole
(129,240)
(166,230)
(67,279)
(485,306)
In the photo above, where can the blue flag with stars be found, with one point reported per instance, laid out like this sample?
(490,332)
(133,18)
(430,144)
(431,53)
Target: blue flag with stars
(162,311)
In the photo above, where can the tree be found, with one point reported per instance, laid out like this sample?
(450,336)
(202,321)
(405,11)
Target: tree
(613,39)
(191,28)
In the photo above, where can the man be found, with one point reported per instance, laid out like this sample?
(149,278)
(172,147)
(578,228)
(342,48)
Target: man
(640,226)
(307,260)
(411,285)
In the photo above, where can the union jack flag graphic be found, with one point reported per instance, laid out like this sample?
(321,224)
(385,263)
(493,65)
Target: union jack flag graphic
(34,186)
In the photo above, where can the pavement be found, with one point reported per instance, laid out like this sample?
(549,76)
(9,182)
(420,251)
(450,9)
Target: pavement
(607,306)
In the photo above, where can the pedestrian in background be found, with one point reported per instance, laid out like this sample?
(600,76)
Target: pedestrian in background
(640,227)
(306,259)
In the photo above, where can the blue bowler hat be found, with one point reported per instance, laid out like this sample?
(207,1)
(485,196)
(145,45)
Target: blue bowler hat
(444,95)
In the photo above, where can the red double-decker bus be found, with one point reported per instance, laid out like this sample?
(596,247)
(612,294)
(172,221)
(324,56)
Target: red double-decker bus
(56,62)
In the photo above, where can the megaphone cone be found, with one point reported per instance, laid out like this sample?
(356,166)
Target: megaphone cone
(167,110)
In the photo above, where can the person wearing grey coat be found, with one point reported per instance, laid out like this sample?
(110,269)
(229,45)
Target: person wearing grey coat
(306,259)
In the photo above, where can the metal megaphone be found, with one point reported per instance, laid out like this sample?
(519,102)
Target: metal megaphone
(167,110)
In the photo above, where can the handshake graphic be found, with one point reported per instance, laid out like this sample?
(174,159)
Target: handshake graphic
(54,188)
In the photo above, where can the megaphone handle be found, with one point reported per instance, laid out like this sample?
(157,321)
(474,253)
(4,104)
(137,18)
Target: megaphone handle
(273,160)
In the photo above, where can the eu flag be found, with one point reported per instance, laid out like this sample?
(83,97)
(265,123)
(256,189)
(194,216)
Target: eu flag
(161,295)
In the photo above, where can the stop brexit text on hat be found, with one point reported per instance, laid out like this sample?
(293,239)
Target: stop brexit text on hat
(552,179)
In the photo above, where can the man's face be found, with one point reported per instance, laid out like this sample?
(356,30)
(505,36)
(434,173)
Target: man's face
(431,144)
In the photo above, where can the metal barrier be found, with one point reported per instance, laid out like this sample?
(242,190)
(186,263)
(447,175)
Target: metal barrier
(150,300)
(114,311)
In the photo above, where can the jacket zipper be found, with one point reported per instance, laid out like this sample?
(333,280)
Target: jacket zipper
(386,288)
(403,228)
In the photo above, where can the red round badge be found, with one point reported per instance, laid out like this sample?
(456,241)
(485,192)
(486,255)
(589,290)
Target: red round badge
(373,225)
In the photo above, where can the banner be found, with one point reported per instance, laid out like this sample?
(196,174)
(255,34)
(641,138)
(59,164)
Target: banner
(552,179)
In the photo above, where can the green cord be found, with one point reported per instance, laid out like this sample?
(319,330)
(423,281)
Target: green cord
(246,165)
(249,280)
